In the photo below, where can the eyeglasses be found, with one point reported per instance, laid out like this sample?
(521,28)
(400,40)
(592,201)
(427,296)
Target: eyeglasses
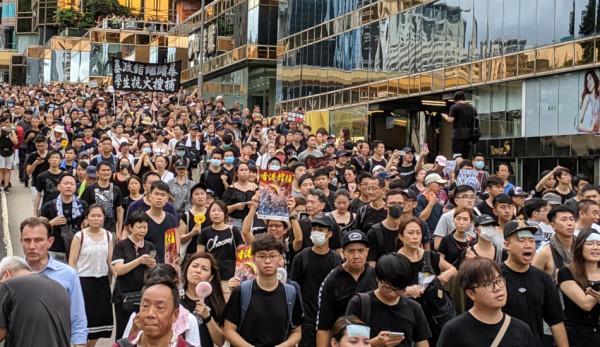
(499,282)
(389,288)
(267,257)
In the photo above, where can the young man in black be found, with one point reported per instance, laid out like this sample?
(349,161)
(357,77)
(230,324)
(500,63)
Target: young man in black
(37,163)
(389,311)
(159,221)
(351,277)
(274,313)
(375,211)
(463,116)
(309,269)
(532,295)
(362,187)
(46,182)
(383,237)
(493,186)
(105,154)
(485,322)
(107,194)
(143,204)
(216,178)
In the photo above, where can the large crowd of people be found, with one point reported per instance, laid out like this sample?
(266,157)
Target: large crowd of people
(382,247)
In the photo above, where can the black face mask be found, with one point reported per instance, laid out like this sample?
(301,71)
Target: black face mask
(395,211)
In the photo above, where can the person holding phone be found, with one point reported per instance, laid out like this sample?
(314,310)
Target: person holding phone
(580,284)
(130,260)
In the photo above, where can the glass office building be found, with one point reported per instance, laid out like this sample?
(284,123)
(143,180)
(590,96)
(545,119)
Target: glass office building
(233,47)
(386,69)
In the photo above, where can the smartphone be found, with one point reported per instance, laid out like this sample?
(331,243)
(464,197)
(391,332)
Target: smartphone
(395,334)
(595,285)
(152,253)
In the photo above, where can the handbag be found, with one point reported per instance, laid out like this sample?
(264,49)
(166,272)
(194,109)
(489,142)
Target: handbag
(131,301)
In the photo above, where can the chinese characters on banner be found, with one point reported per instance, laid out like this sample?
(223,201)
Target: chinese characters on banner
(471,178)
(274,187)
(171,251)
(245,269)
(130,75)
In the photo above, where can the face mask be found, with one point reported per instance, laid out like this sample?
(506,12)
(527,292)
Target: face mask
(318,238)
(487,232)
(124,166)
(180,153)
(229,160)
(147,150)
(479,165)
(395,211)
(274,167)
(215,162)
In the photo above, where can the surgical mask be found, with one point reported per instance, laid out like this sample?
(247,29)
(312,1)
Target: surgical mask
(487,232)
(395,211)
(479,165)
(215,162)
(229,160)
(274,167)
(181,153)
(147,150)
(124,166)
(318,238)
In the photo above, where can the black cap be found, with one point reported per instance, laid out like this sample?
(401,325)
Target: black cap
(409,193)
(484,219)
(514,227)
(343,153)
(180,164)
(323,221)
(354,236)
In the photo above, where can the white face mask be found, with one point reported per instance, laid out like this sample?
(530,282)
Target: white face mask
(318,238)
(487,232)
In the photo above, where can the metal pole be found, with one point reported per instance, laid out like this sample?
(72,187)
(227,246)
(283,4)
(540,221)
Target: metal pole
(200,74)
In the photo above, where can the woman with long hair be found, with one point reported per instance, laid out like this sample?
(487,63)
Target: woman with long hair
(202,267)
(159,146)
(590,100)
(90,255)
(580,284)
(237,195)
(121,176)
(342,215)
(343,137)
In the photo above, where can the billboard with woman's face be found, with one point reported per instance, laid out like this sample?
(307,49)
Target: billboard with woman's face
(588,120)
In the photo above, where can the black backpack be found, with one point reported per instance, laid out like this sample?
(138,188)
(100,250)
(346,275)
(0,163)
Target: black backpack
(436,302)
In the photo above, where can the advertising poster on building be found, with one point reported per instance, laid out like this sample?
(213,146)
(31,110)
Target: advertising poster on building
(589,108)
(134,76)
(274,187)
(472,178)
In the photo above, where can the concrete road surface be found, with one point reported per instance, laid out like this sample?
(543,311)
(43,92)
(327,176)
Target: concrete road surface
(19,205)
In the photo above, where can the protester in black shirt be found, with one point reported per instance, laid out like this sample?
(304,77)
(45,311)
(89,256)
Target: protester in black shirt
(454,244)
(131,257)
(483,283)
(493,186)
(375,211)
(532,295)
(383,237)
(189,227)
(388,310)
(274,313)
(363,194)
(202,267)
(463,116)
(159,221)
(46,182)
(65,214)
(351,277)
(580,285)
(309,269)
(215,178)
(108,195)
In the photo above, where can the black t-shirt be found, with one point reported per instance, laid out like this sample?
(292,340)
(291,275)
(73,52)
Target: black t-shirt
(35,312)
(107,198)
(574,315)
(356,204)
(156,233)
(222,244)
(434,258)
(381,241)
(232,196)
(406,317)
(463,115)
(293,151)
(407,175)
(336,291)
(73,224)
(372,162)
(213,181)
(565,197)
(133,281)
(188,219)
(484,208)
(367,216)
(452,248)
(47,183)
(466,331)
(335,241)
(533,298)
(309,269)
(265,323)
(38,169)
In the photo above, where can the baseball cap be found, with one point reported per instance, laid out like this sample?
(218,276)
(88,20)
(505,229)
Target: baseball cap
(407,149)
(180,164)
(517,191)
(91,171)
(484,219)
(441,160)
(519,228)
(343,153)
(323,221)
(552,198)
(354,236)
(433,177)
(409,193)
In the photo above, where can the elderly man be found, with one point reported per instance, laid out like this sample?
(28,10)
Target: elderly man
(34,310)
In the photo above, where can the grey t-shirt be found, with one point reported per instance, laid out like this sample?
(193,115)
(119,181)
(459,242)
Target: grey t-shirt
(35,311)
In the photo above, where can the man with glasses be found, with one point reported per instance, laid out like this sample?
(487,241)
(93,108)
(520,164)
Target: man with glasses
(532,295)
(264,311)
(464,196)
(394,319)
(484,324)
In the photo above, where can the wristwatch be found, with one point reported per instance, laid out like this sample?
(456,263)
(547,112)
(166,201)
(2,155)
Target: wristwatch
(207,319)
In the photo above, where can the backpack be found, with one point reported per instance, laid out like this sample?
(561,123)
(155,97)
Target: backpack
(436,302)
(246,296)
(6,146)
